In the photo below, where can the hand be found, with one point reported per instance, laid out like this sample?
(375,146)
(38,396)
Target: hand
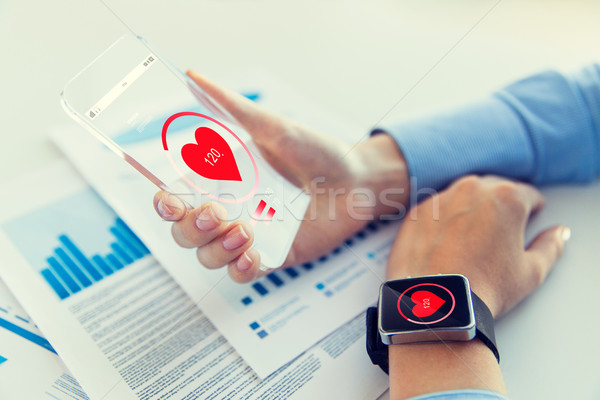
(477,228)
(474,228)
(334,173)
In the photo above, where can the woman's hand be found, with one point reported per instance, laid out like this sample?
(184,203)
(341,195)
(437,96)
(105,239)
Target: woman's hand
(349,186)
(475,228)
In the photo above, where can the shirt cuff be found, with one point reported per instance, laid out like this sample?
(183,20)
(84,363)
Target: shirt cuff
(467,394)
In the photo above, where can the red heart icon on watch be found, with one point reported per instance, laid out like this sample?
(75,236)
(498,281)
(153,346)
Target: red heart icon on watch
(211,156)
(426,303)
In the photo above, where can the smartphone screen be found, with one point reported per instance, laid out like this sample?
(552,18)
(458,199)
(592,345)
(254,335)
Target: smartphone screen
(159,121)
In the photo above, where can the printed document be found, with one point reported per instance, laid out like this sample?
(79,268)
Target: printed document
(124,327)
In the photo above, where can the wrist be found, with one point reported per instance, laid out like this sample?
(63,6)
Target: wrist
(421,368)
(384,174)
(488,294)
(433,323)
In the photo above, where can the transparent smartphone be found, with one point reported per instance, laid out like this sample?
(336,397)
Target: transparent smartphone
(159,121)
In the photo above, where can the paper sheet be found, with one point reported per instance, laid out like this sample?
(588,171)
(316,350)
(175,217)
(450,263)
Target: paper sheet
(124,327)
(29,367)
(282,314)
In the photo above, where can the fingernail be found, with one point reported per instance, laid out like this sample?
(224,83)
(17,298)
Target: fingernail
(207,220)
(244,262)
(235,238)
(169,205)
(163,210)
(565,233)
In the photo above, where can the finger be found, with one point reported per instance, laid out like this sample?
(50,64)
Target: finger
(532,197)
(532,201)
(245,268)
(169,206)
(200,225)
(543,252)
(252,117)
(235,240)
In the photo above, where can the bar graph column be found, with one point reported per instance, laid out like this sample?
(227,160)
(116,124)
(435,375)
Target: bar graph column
(70,270)
(75,241)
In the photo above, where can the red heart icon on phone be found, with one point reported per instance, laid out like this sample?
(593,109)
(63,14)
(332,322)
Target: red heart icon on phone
(211,156)
(426,303)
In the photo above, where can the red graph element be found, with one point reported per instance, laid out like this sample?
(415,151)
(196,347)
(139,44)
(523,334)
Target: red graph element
(270,214)
(258,212)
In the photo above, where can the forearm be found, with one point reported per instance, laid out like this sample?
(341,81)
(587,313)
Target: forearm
(544,129)
(417,369)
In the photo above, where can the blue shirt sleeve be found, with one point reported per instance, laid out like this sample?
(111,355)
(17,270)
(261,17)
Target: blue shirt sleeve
(467,394)
(544,129)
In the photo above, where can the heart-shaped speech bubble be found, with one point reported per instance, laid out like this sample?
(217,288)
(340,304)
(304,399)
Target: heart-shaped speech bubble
(426,303)
(211,156)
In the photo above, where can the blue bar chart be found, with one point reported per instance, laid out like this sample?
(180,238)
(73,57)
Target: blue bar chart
(70,270)
(73,248)
(271,282)
(278,279)
(327,285)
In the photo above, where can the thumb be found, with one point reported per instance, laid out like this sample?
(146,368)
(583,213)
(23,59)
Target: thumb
(543,252)
(254,119)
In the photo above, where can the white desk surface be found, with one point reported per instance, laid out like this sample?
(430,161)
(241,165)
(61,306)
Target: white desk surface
(358,58)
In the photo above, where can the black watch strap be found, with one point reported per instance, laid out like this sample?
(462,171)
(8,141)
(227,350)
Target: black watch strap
(378,351)
(484,324)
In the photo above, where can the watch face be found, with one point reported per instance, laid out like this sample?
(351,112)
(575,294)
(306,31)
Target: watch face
(430,302)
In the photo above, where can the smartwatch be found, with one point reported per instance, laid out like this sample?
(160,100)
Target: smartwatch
(427,309)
